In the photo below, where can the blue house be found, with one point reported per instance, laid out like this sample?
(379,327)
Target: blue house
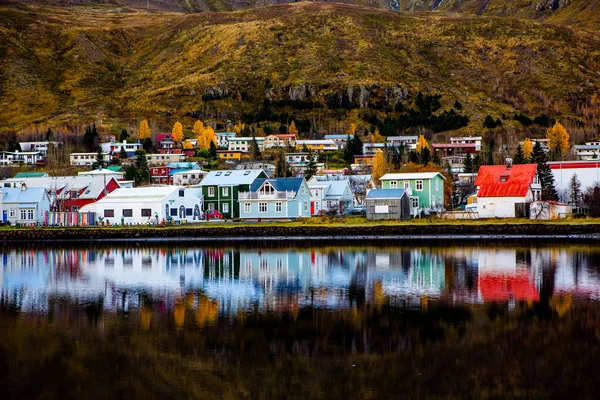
(277,198)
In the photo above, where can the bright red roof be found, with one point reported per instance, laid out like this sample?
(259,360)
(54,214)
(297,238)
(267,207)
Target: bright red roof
(162,136)
(517,180)
(285,135)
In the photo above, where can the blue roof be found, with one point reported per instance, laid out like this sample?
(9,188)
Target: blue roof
(30,175)
(16,195)
(280,184)
(335,136)
(385,193)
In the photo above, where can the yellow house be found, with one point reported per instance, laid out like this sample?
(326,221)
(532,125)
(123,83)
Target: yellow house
(230,155)
(317,145)
(364,160)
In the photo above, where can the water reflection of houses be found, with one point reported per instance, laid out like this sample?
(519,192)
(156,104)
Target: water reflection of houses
(285,279)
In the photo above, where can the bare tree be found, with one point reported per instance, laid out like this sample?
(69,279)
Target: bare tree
(359,188)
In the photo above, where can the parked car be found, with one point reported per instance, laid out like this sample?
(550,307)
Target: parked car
(214,214)
(359,210)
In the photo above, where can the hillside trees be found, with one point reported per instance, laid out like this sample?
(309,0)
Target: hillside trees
(575,195)
(292,130)
(354,147)
(544,173)
(311,167)
(380,166)
(177,132)
(90,138)
(519,156)
(282,167)
(204,134)
(558,140)
(143,131)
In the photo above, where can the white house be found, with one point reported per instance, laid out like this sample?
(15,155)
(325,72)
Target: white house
(507,191)
(280,140)
(190,177)
(339,139)
(20,157)
(330,196)
(24,205)
(88,159)
(223,138)
(42,147)
(588,151)
(116,148)
(409,141)
(243,143)
(164,159)
(149,204)
(104,172)
(370,149)
(588,173)
(476,140)
(317,145)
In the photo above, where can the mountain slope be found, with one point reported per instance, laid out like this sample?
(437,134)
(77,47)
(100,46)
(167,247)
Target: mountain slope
(63,66)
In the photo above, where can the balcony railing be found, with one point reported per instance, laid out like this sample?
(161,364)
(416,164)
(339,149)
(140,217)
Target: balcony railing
(259,196)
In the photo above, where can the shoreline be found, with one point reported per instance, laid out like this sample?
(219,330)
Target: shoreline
(309,233)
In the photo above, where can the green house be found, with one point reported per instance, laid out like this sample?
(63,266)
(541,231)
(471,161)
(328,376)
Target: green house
(221,188)
(426,188)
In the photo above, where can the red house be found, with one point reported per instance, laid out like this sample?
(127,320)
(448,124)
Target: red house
(84,190)
(166,144)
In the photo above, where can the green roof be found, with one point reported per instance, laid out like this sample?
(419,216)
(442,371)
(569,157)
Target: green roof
(30,175)
(116,168)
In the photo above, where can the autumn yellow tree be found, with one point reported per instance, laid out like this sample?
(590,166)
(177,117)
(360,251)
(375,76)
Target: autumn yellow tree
(527,149)
(380,166)
(292,130)
(238,128)
(351,129)
(198,127)
(422,144)
(143,130)
(177,132)
(187,145)
(208,136)
(377,137)
(558,139)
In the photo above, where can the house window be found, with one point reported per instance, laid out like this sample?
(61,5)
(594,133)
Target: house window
(225,191)
(181,191)
(247,208)
(127,212)
(211,191)
(437,185)
(146,212)
(189,211)
(278,206)
(262,207)
(173,212)
(225,207)
(267,189)
(211,207)
(306,206)
(13,213)
(414,202)
(218,174)
(109,213)
(419,185)
(393,184)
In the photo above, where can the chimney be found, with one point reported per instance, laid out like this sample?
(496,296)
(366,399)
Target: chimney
(508,163)
(23,186)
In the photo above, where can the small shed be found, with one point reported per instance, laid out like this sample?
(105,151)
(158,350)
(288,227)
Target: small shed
(386,204)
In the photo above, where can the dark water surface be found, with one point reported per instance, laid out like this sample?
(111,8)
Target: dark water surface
(514,320)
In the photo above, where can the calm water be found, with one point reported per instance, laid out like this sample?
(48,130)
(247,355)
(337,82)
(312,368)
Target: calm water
(442,321)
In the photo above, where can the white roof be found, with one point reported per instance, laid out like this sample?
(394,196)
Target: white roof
(145,194)
(100,172)
(323,141)
(231,177)
(191,171)
(410,175)
(334,188)
(244,138)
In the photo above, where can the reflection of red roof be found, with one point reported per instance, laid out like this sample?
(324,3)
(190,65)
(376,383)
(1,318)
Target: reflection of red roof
(499,181)
(504,287)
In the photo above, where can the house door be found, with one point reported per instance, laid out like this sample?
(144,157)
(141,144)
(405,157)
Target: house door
(312,208)
(4,216)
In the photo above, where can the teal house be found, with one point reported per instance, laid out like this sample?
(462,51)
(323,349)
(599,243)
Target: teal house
(278,198)
(426,189)
(221,189)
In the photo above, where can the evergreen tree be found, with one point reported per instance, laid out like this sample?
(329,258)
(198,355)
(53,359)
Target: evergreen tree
(575,191)
(147,145)
(519,157)
(282,168)
(90,138)
(212,151)
(476,163)
(354,147)
(123,154)
(311,167)
(254,149)
(468,165)
(425,156)
(141,163)
(305,148)
(49,135)
(131,173)
(99,163)
(124,135)
(544,173)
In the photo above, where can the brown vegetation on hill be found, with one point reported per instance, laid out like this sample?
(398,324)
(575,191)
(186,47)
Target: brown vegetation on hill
(316,62)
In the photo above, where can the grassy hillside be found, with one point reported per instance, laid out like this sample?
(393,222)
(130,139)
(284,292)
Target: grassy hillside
(61,66)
